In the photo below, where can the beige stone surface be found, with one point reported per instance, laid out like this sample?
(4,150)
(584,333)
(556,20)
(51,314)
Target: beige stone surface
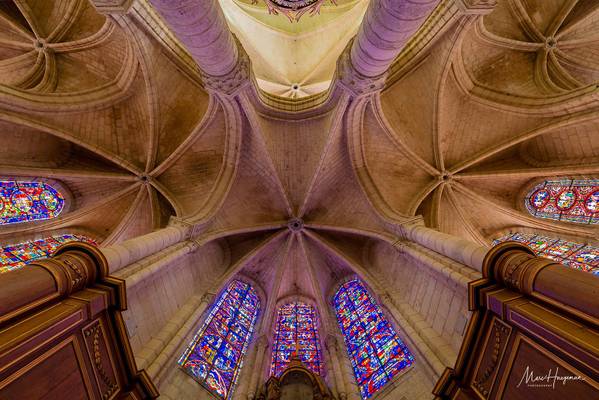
(189,179)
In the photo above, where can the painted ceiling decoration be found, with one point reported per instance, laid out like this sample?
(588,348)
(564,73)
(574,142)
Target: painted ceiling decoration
(294,60)
(225,185)
(294,9)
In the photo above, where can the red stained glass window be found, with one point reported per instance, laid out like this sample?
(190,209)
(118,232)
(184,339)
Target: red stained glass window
(28,201)
(571,200)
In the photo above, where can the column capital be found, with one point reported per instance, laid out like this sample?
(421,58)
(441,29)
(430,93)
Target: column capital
(208,297)
(476,7)
(112,6)
(331,342)
(352,80)
(233,81)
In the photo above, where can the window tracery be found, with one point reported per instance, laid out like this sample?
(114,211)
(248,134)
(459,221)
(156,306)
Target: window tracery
(28,201)
(18,255)
(296,330)
(571,200)
(575,255)
(214,356)
(376,352)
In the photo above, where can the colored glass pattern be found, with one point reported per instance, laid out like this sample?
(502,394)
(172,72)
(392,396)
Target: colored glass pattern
(28,201)
(375,350)
(214,356)
(571,200)
(18,255)
(575,255)
(296,330)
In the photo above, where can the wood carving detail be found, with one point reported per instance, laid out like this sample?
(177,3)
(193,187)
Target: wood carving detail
(495,347)
(93,335)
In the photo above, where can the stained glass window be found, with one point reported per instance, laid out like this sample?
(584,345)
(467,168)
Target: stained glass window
(296,330)
(575,255)
(17,255)
(28,201)
(214,356)
(571,200)
(376,352)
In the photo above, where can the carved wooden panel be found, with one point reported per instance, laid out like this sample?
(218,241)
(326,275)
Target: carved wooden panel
(103,366)
(57,374)
(532,372)
(494,346)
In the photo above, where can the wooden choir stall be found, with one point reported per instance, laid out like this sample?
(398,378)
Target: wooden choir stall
(62,335)
(533,334)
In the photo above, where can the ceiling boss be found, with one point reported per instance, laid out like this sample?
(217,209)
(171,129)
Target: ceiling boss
(294,9)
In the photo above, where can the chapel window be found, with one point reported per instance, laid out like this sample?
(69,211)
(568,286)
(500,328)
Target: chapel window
(28,201)
(376,352)
(570,200)
(214,356)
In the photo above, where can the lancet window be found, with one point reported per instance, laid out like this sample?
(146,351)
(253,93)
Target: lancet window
(296,331)
(214,356)
(376,352)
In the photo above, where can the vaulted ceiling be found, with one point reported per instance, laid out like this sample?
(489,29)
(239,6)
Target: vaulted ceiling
(457,136)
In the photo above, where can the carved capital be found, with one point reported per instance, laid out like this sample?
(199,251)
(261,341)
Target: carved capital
(331,343)
(477,7)
(208,298)
(358,84)
(112,6)
(235,80)
(262,342)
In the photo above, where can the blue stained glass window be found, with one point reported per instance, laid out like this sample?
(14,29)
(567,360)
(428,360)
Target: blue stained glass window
(296,330)
(214,356)
(376,352)
(28,201)
(18,255)
(575,255)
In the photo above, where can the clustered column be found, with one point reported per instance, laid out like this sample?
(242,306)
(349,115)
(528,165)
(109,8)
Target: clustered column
(261,350)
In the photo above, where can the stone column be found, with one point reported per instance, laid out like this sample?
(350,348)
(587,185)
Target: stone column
(385,30)
(351,387)
(261,350)
(145,268)
(201,26)
(132,250)
(458,249)
(332,349)
(165,348)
